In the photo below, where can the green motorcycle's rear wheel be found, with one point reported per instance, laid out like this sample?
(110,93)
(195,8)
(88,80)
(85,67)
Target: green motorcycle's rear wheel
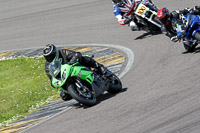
(85,97)
(115,84)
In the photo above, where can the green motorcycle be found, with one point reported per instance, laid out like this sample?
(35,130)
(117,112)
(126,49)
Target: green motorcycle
(82,83)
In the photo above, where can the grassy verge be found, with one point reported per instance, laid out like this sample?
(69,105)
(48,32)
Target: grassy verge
(24,86)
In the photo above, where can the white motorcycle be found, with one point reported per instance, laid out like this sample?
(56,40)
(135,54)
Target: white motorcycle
(147,17)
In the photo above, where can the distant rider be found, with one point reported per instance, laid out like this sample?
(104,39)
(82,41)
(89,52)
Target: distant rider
(171,20)
(124,12)
(50,52)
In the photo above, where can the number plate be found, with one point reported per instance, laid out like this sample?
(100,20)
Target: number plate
(141,10)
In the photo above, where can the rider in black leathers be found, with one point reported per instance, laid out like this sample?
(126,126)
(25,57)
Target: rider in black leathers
(50,52)
(170,20)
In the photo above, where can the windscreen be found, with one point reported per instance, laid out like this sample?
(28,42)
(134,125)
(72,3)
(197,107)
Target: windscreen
(55,68)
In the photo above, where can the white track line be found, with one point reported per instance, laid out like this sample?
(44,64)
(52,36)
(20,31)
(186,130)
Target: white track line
(127,51)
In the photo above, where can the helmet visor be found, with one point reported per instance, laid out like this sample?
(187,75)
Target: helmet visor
(164,16)
(50,53)
(55,68)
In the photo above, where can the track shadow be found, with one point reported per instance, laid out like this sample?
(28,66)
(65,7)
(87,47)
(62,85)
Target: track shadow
(196,50)
(101,98)
(148,34)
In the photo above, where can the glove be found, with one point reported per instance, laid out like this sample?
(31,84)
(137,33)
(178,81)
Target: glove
(174,39)
(127,20)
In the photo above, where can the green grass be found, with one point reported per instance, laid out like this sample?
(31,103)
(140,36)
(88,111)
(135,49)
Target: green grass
(24,86)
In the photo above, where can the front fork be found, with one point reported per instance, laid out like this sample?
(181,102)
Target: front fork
(77,83)
(83,90)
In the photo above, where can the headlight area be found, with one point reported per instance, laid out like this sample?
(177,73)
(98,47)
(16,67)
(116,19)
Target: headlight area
(64,75)
(58,83)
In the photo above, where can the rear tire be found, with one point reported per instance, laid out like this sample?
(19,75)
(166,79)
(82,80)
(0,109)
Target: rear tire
(80,98)
(189,48)
(115,84)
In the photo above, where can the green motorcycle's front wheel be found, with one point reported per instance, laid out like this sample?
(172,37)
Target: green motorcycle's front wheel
(82,96)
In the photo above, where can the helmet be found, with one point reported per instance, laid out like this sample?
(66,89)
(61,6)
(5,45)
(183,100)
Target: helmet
(163,15)
(50,52)
(119,2)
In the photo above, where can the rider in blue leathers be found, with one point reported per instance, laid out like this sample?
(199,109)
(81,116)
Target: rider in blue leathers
(170,20)
(124,12)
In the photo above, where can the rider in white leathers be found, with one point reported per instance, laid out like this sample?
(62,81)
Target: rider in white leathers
(124,9)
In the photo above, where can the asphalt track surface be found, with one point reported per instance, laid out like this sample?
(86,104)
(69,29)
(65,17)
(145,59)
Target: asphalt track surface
(161,90)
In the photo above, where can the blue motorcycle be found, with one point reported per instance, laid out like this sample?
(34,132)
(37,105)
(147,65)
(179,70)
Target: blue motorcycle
(191,31)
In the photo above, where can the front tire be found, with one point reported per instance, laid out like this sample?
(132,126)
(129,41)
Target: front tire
(88,101)
(115,84)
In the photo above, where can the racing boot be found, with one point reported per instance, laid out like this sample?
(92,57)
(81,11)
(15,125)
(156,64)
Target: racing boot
(101,69)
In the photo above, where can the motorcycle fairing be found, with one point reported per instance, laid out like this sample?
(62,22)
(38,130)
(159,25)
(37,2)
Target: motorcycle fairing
(195,31)
(194,20)
(65,73)
(99,85)
(142,10)
(82,73)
